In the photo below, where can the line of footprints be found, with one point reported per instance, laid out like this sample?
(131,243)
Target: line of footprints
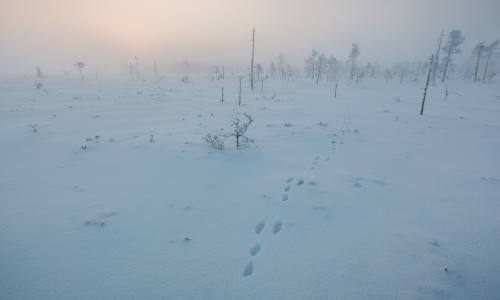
(278,225)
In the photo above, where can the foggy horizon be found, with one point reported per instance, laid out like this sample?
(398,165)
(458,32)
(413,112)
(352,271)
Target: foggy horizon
(108,34)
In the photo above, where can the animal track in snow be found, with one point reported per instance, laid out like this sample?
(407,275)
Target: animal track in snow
(285,197)
(248,270)
(100,221)
(300,182)
(259,227)
(287,188)
(255,249)
(491,180)
(277,227)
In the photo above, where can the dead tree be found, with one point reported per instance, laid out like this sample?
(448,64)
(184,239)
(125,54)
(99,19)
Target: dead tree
(80,65)
(39,73)
(262,84)
(252,60)
(259,69)
(239,91)
(240,127)
(436,61)
(319,71)
(353,56)
(427,84)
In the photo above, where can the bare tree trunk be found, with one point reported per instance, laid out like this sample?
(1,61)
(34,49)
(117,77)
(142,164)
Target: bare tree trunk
(319,72)
(222,92)
(445,71)
(486,65)
(81,73)
(353,67)
(477,65)
(426,85)
(252,61)
(223,73)
(336,85)
(434,72)
(239,92)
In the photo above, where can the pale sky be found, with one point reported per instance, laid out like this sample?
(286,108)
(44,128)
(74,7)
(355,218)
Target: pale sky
(107,33)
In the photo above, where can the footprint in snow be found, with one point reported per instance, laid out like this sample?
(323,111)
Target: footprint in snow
(101,220)
(277,227)
(289,179)
(255,249)
(285,197)
(287,188)
(248,270)
(259,227)
(300,182)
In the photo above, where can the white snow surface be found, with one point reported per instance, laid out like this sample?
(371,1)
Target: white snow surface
(360,198)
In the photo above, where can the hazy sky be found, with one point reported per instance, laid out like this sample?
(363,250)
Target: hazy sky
(107,33)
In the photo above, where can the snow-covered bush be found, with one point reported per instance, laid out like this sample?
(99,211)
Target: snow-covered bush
(215,141)
(240,127)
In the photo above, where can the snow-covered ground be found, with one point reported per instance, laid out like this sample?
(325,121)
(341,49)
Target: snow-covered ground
(358,197)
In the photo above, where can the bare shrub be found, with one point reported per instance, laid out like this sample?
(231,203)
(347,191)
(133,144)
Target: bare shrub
(216,141)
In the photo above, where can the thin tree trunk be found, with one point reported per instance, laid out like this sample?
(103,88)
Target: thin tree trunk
(319,74)
(239,93)
(426,85)
(445,71)
(486,66)
(477,65)
(437,59)
(353,66)
(251,65)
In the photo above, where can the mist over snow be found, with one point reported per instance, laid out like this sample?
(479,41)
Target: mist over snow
(107,34)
